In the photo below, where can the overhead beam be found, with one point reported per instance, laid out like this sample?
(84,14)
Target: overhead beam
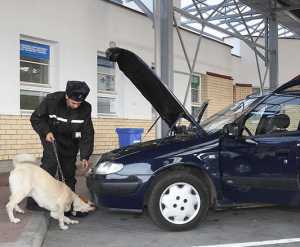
(250,18)
(216,27)
(207,8)
(143,7)
(224,16)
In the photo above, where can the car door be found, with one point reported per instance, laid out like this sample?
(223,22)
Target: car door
(262,165)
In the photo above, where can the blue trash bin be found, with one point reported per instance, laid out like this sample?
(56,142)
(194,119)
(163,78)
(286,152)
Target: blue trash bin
(129,136)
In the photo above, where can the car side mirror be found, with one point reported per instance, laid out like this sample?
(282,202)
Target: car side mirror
(231,130)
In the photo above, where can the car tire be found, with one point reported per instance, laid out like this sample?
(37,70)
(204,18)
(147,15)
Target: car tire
(178,200)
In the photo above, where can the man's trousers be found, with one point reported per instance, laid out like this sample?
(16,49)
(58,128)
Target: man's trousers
(49,163)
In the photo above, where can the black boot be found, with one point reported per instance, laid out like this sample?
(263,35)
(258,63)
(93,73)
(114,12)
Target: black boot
(72,213)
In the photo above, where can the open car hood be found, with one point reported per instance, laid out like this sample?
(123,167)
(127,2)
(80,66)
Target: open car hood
(151,87)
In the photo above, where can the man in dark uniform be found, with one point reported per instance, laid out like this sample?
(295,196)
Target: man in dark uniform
(65,117)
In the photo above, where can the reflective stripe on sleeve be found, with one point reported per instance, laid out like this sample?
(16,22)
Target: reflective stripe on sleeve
(59,118)
(77,121)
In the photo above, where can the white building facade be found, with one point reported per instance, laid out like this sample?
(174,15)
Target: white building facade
(46,43)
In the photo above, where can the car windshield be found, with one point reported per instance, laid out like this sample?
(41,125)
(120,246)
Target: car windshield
(217,121)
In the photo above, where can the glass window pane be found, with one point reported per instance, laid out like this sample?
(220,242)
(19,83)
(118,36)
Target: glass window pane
(295,89)
(195,85)
(195,96)
(106,105)
(293,112)
(30,59)
(195,82)
(106,82)
(32,72)
(277,114)
(105,70)
(29,100)
(106,74)
(104,62)
(195,111)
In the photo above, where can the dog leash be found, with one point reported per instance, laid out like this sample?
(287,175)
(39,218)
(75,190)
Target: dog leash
(59,169)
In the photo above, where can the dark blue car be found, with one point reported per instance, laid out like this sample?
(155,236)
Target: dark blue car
(247,153)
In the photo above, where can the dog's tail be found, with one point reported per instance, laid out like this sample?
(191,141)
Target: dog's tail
(24,158)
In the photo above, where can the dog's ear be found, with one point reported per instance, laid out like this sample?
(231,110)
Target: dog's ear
(87,201)
(84,199)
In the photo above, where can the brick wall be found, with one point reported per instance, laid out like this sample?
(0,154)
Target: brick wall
(218,90)
(241,91)
(17,136)
(106,137)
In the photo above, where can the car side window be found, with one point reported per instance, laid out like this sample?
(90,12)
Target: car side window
(279,114)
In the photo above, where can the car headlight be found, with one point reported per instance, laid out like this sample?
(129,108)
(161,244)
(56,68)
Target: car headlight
(108,167)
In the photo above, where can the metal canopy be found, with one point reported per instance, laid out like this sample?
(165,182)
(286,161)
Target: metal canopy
(246,20)
(287,12)
(227,15)
(250,21)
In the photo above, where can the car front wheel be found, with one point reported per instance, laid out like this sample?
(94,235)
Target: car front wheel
(178,201)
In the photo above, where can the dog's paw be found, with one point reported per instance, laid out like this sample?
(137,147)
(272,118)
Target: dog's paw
(15,220)
(74,221)
(64,227)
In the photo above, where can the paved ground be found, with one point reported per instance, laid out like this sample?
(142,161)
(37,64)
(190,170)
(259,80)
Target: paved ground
(9,232)
(116,229)
(29,232)
(119,230)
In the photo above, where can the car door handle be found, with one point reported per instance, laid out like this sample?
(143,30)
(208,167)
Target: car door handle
(282,153)
(251,141)
(283,156)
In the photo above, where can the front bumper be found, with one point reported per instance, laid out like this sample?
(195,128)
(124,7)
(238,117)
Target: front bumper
(118,191)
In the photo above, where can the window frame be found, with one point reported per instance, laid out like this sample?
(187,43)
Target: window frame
(199,102)
(113,95)
(43,88)
(264,104)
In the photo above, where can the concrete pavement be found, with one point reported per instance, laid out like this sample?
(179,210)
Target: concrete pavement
(30,232)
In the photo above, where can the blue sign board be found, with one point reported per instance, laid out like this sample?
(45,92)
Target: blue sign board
(34,50)
(104,62)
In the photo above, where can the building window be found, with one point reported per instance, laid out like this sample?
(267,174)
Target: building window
(106,105)
(106,86)
(195,95)
(29,100)
(34,73)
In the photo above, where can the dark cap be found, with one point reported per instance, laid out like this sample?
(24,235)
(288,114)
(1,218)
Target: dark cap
(77,90)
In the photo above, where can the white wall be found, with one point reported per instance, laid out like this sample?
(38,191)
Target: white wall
(180,84)
(213,56)
(245,69)
(78,29)
(69,25)
(9,66)
(132,31)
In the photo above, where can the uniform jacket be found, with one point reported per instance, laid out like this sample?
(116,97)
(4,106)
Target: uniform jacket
(72,128)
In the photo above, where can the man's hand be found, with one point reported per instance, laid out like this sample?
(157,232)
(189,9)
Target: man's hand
(84,164)
(50,137)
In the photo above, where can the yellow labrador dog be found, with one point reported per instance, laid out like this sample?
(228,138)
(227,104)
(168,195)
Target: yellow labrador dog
(27,179)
